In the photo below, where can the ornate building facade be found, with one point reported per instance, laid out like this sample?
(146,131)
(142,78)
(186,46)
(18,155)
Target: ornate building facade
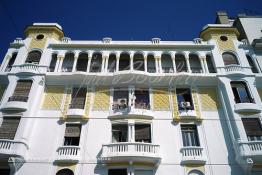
(133,107)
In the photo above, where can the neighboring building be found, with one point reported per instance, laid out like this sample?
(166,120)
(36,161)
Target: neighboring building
(132,107)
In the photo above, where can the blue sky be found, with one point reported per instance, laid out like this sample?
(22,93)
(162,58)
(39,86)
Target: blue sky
(119,19)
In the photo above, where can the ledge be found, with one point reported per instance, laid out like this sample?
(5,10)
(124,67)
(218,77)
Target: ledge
(247,107)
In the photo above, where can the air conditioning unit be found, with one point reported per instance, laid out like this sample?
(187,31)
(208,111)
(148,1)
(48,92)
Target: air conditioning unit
(185,104)
(122,102)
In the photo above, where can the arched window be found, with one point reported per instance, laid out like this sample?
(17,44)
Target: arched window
(252,64)
(68,62)
(195,64)
(96,62)
(65,172)
(167,63)
(241,92)
(151,64)
(53,63)
(33,57)
(124,62)
(11,62)
(82,62)
(195,172)
(229,58)
(181,65)
(139,62)
(111,63)
(210,65)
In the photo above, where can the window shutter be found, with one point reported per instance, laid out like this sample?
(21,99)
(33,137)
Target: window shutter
(73,131)
(9,127)
(78,98)
(252,126)
(143,132)
(22,88)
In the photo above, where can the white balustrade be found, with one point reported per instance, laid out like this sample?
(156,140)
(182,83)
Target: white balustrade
(130,149)
(68,153)
(29,68)
(251,148)
(233,68)
(13,147)
(192,154)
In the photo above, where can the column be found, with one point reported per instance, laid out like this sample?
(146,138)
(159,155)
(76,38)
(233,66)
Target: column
(117,61)
(188,63)
(132,61)
(174,62)
(103,63)
(201,59)
(205,64)
(106,63)
(89,61)
(156,64)
(145,63)
(75,62)
(159,64)
(131,131)
(59,63)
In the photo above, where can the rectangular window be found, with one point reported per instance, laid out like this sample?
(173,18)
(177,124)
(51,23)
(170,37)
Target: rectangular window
(9,127)
(184,99)
(253,128)
(189,135)
(22,91)
(78,98)
(119,133)
(117,172)
(143,133)
(142,99)
(241,92)
(72,135)
(120,98)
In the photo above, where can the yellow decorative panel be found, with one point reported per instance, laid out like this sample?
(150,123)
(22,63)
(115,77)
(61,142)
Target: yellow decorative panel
(209,99)
(192,167)
(53,97)
(67,102)
(101,101)
(225,45)
(87,104)
(160,99)
(259,90)
(2,90)
(40,44)
(175,106)
(195,101)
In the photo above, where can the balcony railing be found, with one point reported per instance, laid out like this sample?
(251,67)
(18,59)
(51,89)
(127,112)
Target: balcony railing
(13,147)
(131,150)
(18,98)
(68,153)
(192,154)
(29,68)
(233,68)
(167,69)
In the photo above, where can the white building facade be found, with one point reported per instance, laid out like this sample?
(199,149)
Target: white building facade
(131,107)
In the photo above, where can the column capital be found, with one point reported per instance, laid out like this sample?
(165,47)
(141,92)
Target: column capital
(60,57)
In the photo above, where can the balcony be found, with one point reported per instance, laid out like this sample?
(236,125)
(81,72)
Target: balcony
(12,148)
(131,151)
(246,105)
(28,68)
(192,155)
(251,149)
(131,111)
(17,103)
(69,154)
(76,110)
